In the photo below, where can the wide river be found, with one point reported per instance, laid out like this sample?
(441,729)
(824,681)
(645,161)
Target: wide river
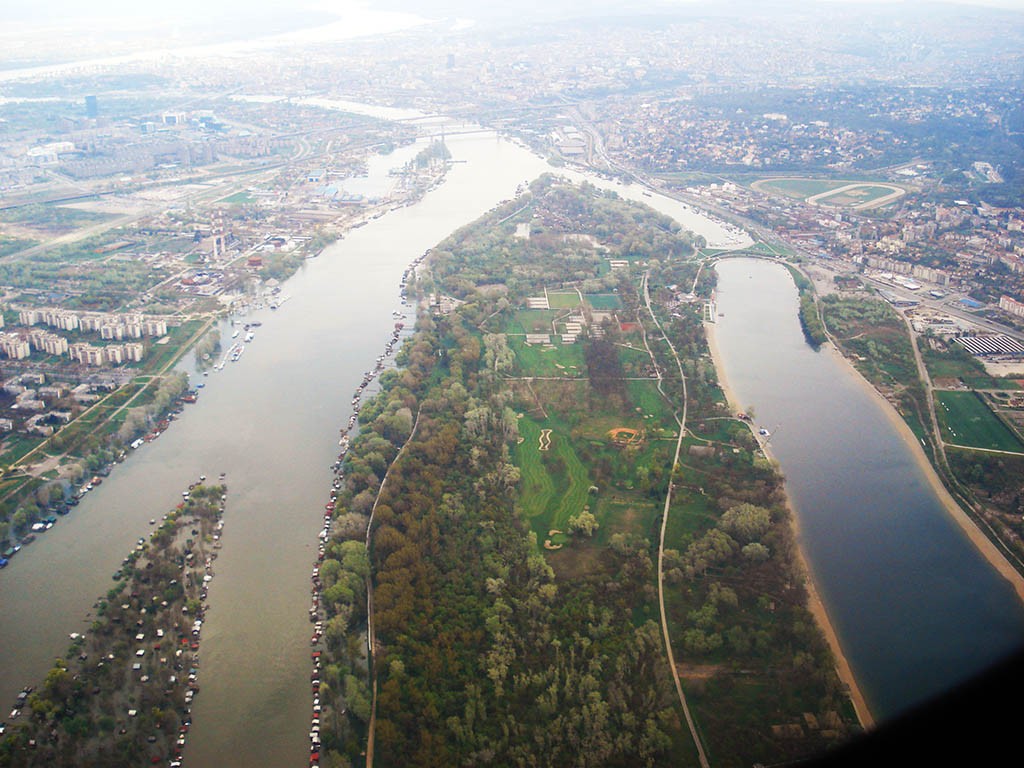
(916,607)
(271,420)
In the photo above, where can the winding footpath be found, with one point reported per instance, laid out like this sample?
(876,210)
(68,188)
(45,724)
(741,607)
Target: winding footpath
(371,637)
(702,756)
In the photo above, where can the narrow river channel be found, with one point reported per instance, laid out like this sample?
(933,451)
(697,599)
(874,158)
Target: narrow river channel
(917,608)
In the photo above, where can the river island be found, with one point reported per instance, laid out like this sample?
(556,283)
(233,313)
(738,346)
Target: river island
(530,432)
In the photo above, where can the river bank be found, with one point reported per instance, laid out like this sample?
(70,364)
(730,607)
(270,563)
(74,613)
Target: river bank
(814,602)
(918,606)
(124,688)
(822,277)
(969,527)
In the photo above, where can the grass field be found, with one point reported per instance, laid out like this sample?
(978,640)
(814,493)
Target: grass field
(238,198)
(798,188)
(646,397)
(554,484)
(633,516)
(532,321)
(983,381)
(604,301)
(536,485)
(828,191)
(560,360)
(950,367)
(861,195)
(635,362)
(967,420)
(563,299)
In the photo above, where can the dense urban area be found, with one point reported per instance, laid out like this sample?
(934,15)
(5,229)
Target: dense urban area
(879,155)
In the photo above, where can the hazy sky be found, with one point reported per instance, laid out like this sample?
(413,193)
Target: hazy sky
(54,10)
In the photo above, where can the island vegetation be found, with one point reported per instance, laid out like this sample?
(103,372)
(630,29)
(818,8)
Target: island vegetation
(496,544)
(122,693)
(810,315)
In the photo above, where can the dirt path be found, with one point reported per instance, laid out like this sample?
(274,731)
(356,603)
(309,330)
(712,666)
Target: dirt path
(371,636)
(664,524)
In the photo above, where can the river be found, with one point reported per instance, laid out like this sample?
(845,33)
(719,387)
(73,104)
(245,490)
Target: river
(270,421)
(916,607)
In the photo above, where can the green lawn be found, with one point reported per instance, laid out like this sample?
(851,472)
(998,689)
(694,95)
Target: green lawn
(554,484)
(532,321)
(536,486)
(635,361)
(945,366)
(967,420)
(637,517)
(238,198)
(559,360)
(990,382)
(800,188)
(654,410)
(563,299)
(574,478)
(603,301)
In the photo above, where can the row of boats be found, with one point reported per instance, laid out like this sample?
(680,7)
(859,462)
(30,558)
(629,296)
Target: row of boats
(162,640)
(237,349)
(316,614)
(56,510)
(192,685)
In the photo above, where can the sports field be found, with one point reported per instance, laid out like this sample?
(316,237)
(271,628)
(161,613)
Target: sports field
(563,299)
(966,420)
(799,189)
(601,301)
(839,193)
(532,321)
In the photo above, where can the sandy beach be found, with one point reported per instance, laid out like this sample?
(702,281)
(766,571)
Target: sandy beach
(977,537)
(814,602)
(969,527)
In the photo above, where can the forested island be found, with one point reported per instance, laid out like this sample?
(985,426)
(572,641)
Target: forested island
(496,538)
(122,694)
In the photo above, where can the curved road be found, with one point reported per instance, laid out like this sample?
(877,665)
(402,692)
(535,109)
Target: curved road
(661,543)
(371,636)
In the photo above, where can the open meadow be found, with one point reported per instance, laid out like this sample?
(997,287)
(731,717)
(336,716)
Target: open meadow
(966,420)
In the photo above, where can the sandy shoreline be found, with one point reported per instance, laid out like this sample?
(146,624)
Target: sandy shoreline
(970,528)
(814,602)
